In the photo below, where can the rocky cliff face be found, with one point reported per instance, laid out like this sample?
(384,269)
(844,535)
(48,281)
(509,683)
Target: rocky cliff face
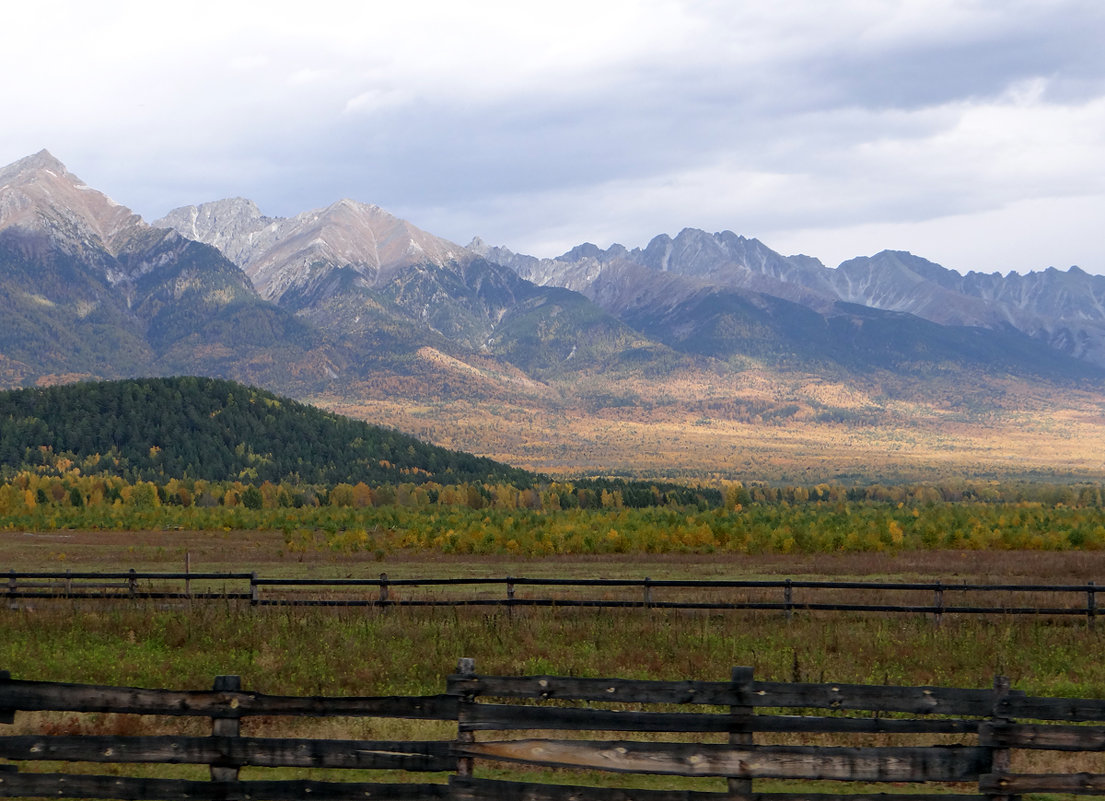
(293,254)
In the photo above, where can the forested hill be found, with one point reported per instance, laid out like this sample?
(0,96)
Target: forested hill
(203,428)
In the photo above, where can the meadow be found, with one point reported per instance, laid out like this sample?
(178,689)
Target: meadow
(367,651)
(978,532)
(1071,520)
(409,651)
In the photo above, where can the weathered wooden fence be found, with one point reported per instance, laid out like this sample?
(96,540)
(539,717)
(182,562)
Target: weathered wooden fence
(948,740)
(782,595)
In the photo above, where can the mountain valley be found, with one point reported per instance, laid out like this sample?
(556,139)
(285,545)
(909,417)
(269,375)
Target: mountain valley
(705,355)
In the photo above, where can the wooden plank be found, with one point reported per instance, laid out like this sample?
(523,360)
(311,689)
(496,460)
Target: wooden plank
(504,717)
(869,797)
(128,575)
(1043,737)
(498,717)
(913,700)
(492,790)
(467,789)
(127,596)
(256,751)
(797,724)
(29,785)
(637,691)
(1068,709)
(1020,783)
(933,763)
(57,696)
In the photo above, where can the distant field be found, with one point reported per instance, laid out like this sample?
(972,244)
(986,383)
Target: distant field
(266,553)
(758,426)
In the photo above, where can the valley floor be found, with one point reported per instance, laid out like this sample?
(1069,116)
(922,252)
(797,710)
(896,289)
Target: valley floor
(266,553)
(790,428)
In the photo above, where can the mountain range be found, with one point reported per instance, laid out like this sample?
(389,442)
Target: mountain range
(336,299)
(673,287)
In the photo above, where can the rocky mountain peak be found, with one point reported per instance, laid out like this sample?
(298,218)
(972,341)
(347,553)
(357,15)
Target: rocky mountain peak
(280,254)
(233,225)
(39,197)
(42,160)
(585,251)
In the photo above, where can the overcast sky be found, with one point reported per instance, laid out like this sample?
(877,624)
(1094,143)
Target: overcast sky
(971,132)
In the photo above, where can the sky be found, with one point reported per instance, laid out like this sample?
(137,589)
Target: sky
(970,132)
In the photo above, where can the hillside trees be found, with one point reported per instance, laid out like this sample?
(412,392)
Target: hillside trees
(200,428)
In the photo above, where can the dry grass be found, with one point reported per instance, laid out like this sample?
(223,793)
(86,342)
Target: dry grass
(722,425)
(265,552)
(409,652)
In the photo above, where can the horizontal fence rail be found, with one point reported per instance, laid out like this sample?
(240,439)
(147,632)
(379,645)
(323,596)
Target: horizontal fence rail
(785,595)
(509,720)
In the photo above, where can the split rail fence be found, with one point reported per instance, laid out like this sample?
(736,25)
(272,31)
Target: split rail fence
(953,744)
(786,595)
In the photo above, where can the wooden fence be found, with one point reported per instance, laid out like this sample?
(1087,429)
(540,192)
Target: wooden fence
(957,744)
(782,595)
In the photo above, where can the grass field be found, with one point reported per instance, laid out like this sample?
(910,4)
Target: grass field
(266,552)
(367,651)
(410,651)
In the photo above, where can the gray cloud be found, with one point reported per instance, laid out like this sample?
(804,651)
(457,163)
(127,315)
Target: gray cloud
(797,122)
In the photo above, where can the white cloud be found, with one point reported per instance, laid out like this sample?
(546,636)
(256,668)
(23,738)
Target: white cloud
(540,126)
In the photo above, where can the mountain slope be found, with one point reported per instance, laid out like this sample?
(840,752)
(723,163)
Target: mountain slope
(88,289)
(725,296)
(388,290)
(1065,310)
(218,430)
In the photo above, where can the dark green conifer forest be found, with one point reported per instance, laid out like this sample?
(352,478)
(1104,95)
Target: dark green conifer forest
(204,428)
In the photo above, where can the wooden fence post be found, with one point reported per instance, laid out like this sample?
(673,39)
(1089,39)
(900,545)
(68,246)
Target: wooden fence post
(739,733)
(225,727)
(1091,603)
(648,593)
(6,715)
(999,757)
(383,589)
(788,599)
(938,602)
(254,590)
(11,588)
(132,583)
(465,667)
